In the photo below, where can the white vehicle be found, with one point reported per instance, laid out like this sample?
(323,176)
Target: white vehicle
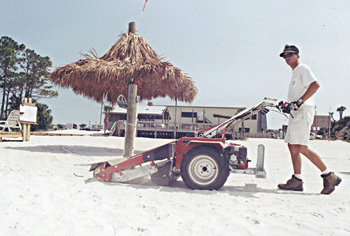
(315,136)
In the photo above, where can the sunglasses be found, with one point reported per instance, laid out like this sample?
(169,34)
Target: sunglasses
(288,55)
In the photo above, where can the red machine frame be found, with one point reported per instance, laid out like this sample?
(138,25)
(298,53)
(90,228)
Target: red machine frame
(173,154)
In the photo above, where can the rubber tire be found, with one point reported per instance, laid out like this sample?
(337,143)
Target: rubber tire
(204,168)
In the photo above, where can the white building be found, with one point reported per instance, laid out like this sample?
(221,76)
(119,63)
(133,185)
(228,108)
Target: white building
(179,121)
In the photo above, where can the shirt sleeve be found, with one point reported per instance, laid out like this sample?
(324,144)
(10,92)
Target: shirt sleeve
(307,76)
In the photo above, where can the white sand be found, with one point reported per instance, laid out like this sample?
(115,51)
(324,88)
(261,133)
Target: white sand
(42,194)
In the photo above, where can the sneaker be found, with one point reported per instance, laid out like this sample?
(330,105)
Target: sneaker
(293,184)
(329,182)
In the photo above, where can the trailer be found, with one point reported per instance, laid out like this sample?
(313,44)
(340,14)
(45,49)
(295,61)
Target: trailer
(203,162)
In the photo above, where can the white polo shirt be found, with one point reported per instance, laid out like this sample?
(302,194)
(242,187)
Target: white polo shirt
(302,77)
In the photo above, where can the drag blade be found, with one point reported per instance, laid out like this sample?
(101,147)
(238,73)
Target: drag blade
(95,165)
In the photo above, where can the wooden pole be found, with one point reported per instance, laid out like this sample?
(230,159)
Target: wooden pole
(175,131)
(132,27)
(130,126)
(130,121)
(101,113)
(26,127)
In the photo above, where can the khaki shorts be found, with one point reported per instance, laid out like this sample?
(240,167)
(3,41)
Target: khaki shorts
(298,131)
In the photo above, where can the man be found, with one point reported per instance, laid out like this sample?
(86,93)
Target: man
(302,88)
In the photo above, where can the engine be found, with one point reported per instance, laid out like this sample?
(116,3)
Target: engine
(237,156)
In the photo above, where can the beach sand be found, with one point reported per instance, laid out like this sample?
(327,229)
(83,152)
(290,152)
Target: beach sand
(43,193)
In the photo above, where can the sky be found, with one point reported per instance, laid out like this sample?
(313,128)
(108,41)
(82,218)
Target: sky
(230,48)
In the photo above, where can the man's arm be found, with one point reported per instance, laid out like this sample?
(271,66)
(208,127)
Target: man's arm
(314,86)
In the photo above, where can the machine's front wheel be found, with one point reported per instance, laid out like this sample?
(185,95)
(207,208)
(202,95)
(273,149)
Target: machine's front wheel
(204,168)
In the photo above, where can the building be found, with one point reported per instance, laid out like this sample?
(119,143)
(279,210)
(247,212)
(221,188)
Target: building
(321,121)
(178,121)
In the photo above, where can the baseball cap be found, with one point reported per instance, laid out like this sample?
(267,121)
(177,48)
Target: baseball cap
(290,49)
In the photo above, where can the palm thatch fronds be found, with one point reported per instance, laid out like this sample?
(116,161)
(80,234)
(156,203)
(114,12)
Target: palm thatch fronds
(130,60)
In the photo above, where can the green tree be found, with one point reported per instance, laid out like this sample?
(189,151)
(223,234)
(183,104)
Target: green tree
(44,117)
(341,111)
(9,59)
(107,110)
(32,81)
(60,126)
(36,69)
(342,127)
(23,73)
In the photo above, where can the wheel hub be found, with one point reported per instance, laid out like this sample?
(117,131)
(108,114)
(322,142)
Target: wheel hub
(203,170)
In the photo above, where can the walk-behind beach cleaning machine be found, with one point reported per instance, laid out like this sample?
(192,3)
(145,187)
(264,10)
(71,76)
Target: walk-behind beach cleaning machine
(203,162)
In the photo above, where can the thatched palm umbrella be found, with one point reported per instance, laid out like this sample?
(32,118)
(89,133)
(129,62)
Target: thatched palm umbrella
(128,62)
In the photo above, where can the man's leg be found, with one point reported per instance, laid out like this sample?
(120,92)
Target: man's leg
(296,158)
(313,157)
(330,180)
(295,183)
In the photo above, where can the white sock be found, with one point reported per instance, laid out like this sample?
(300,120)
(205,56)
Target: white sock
(325,172)
(298,176)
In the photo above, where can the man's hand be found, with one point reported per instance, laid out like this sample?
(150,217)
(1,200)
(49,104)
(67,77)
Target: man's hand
(296,105)
(284,106)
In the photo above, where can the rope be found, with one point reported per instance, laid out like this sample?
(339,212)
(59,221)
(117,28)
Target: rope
(130,124)
(143,9)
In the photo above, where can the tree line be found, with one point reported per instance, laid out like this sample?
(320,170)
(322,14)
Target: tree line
(341,128)
(24,73)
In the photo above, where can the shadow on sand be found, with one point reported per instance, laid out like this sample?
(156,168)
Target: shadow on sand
(77,150)
(247,191)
